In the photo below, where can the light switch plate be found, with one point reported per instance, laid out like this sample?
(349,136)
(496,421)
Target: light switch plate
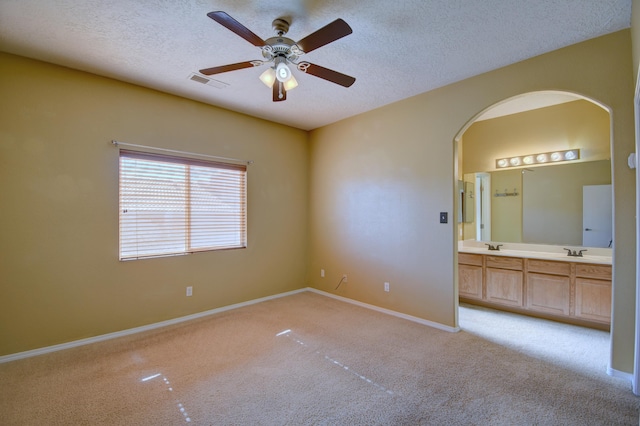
(444,217)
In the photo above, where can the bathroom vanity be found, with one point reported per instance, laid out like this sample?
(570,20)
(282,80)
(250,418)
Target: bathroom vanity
(542,283)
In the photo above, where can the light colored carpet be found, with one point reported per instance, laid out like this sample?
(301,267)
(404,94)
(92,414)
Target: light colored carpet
(308,359)
(584,350)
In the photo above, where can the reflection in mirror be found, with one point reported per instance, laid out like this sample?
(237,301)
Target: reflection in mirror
(546,205)
(461,204)
(539,204)
(466,202)
(469,189)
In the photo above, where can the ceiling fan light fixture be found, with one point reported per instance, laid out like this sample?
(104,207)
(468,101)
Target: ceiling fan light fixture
(283,73)
(290,84)
(268,77)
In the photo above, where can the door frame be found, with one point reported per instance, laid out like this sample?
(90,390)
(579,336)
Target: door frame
(635,380)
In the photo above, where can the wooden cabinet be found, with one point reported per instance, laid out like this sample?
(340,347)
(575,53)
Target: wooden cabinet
(549,287)
(548,293)
(549,267)
(593,300)
(501,262)
(470,275)
(503,277)
(504,286)
(568,291)
(470,281)
(593,293)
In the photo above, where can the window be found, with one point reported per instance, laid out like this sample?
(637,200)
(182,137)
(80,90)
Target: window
(171,205)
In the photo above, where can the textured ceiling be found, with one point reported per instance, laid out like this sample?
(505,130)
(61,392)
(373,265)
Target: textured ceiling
(398,49)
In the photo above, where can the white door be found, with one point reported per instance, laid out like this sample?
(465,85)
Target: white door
(596,216)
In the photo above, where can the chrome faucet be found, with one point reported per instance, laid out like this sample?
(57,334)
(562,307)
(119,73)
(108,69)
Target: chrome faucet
(492,247)
(575,253)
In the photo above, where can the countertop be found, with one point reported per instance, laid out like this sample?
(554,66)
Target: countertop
(552,254)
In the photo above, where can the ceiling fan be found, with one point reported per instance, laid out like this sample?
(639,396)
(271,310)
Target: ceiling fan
(281,51)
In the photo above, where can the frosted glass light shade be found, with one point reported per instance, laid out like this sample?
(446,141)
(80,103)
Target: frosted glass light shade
(268,77)
(290,84)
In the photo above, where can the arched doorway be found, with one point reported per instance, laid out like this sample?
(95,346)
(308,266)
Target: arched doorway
(520,114)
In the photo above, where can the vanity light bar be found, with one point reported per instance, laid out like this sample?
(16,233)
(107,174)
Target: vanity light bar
(542,158)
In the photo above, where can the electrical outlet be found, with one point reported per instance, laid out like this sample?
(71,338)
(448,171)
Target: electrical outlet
(344,278)
(321,273)
(386,287)
(189,291)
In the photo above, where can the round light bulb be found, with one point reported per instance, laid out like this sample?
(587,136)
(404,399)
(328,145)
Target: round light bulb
(515,161)
(570,155)
(283,73)
(556,156)
(528,159)
(541,158)
(502,163)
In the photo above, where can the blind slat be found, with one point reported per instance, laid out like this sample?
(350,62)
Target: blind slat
(172,206)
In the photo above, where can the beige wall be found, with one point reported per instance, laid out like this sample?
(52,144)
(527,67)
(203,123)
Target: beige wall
(574,125)
(552,201)
(635,34)
(506,211)
(380,179)
(60,278)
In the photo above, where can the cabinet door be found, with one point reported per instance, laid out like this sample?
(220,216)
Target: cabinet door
(504,287)
(593,300)
(470,281)
(548,293)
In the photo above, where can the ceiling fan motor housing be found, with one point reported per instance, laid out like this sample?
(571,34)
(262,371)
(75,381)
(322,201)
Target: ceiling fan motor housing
(281,47)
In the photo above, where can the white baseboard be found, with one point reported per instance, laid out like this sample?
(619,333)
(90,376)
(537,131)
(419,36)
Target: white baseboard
(620,374)
(388,311)
(103,337)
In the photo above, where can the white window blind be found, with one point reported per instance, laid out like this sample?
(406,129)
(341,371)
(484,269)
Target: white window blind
(172,205)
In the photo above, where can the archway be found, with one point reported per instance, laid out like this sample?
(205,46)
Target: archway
(516,108)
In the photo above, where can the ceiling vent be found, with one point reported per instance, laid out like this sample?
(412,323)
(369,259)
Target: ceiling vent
(208,81)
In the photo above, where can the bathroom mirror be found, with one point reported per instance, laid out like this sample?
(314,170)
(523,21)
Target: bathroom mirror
(535,204)
(545,205)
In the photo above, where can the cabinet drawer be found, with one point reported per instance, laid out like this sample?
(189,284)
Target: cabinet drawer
(504,262)
(549,267)
(470,259)
(601,272)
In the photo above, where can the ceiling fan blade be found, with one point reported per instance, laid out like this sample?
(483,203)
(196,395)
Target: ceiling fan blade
(279,92)
(231,24)
(230,67)
(325,35)
(326,74)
